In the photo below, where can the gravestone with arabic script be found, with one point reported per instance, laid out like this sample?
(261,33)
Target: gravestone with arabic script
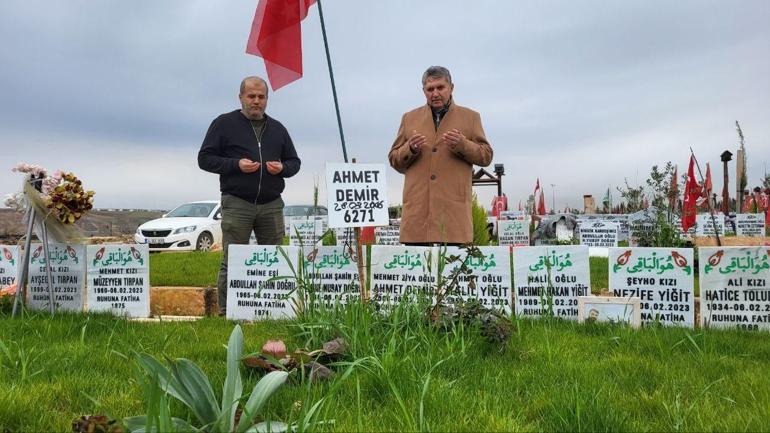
(333,272)
(489,281)
(261,282)
(9,265)
(513,232)
(401,272)
(599,234)
(68,269)
(735,287)
(306,231)
(549,279)
(662,278)
(705,226)
(119,279)
(750,224)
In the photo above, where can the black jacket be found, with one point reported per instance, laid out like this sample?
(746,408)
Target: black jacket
(230,138)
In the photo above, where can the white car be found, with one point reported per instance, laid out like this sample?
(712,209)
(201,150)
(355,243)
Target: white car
(191,226)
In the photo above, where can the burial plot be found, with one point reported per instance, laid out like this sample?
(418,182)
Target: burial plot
(68,270)
(662,279)
(735,287)
(333,273)
(401,272)
(750,224)
(261,282)
(489,281)
(599,234)
(513,232)
(119,279)
(549,279)
(9,265)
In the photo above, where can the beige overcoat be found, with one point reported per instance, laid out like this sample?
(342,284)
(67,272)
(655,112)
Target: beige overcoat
(437,181)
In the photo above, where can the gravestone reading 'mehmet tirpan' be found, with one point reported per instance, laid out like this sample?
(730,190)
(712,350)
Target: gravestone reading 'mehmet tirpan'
(68,269)
(735,287)
(119,279)
(550,277)
(662,279)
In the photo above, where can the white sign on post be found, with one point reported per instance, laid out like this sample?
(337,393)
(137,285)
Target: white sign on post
(357,195)
(68,269)
(735,287)
(333,271)
(401,273)
(491,276)
(704,226)
(550,277)
(260,282)
(119,279)
(9,265)
(513,232)
(750,224)
(662,279)
(599,234)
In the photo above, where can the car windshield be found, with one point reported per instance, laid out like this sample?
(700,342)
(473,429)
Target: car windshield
(292,211)
(200,210)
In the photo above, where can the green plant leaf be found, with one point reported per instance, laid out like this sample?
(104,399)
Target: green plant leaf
(136,424)
(261,393)
(233,387)
(201,396)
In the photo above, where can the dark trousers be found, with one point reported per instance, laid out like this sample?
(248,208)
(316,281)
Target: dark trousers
(239,219)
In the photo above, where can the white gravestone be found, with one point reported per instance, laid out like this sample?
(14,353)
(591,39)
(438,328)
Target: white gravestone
(261,282)
(333,272)
(356,194)
(750,224)
(389,234)
(662,279)
(9,265)
(599,234)
(68,269)
(345,236)
(119,279)
(401,272)
(735,287)
(306,231)
(490,279)
(704,226)
(513,232)
(535,293)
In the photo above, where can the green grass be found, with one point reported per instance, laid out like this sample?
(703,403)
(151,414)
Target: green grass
(195,269)
(552,375)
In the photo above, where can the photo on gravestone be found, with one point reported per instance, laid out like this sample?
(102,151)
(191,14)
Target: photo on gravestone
(261,282)
(608,309)
(549,279)
(119,279)
(356,194)
(68,270)
(401,274)
(9,274)
(735,287)
(662,278)
(329,277)
(483,275)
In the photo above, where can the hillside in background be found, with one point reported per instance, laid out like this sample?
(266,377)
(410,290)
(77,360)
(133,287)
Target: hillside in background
(99,222)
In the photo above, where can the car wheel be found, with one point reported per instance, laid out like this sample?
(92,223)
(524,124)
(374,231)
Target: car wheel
(204,242)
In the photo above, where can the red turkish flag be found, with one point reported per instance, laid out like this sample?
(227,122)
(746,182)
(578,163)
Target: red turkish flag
(692,191)
(541,204)
(276,36)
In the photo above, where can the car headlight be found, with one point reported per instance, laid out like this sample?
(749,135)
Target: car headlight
(139,230)
(188,229)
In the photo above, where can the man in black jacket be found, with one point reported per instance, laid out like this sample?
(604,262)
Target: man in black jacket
(252,153)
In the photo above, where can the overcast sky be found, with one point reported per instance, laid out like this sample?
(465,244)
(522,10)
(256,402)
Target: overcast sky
(581,94)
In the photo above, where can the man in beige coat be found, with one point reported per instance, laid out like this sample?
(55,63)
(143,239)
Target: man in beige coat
(436,147)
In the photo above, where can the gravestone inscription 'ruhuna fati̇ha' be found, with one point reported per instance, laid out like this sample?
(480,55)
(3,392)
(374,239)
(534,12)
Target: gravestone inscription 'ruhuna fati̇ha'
(599,234)
(662,279)
(356,195)
(750,224)
(9,265)
(260,282)
(489,281)
(68,270)
(119,279)
(513,232)
(333,272)
(549,279)
(735,287)
(401,273)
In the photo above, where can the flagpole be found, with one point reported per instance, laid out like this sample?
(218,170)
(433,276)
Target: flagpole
(711,210)
(331,76)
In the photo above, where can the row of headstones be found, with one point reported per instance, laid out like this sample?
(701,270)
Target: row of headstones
(538,281)
(111,278)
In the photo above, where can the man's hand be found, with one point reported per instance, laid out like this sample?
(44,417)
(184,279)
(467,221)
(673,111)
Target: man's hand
(274,167)
(416,142)
(248,166)
(453,138)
